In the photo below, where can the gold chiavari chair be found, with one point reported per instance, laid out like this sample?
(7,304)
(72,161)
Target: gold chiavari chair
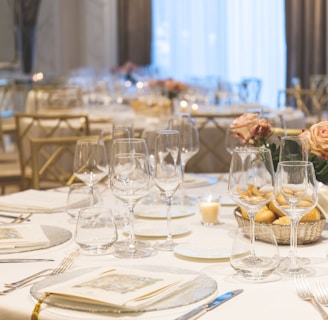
(31,126)
(52,161)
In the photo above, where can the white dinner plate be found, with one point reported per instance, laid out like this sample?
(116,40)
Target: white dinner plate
(197,181)
(158,231)
(160,212)
(203,251)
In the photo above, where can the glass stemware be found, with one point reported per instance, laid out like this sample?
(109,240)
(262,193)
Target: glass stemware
(251,180)
(293,148)
(90,163)
(189,142)
(296,193)
(168,175)
(130,178)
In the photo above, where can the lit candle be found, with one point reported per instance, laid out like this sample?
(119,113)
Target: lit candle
(209,209)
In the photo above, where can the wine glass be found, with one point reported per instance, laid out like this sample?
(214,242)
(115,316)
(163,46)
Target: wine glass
(296,193)
(130,178)
(189,141)
(251,181)
(293,148)
(90,163)
(168,175)
(232,140)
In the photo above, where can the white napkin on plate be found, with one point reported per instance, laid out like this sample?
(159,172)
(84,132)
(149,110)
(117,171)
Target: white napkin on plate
(34,201)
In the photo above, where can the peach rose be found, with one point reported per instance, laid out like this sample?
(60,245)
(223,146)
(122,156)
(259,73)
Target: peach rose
(245,125)
(317,137)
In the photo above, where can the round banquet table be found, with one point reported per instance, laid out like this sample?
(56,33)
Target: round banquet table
(270,300)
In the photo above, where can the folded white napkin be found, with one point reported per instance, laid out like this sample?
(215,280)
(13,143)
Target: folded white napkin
(22,235)
(34,201)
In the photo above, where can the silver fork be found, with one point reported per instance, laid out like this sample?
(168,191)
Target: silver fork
(64,265)
(304,292)
(320,291)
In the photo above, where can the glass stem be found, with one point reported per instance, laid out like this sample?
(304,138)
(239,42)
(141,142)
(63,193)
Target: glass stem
(252,234)
(132,241)
(168,218)
(293,245)
(91,192)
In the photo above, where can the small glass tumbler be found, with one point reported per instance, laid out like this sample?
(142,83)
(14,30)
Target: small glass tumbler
(78,197)
(255,262)
(95,231)
(209,207)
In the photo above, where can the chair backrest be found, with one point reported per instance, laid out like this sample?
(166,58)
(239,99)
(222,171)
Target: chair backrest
(50,98)
(250,90)
(309,101)
(52,161)
(31,126)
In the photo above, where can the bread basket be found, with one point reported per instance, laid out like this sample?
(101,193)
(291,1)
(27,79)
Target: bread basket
(308,232)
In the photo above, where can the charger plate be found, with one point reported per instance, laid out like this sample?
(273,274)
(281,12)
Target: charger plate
(201,288)
(55,235)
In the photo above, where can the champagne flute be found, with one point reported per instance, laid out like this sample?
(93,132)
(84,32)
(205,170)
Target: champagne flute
(168,175)
(189,141)
(296,193)
(130,177)
(251,180)
(90,163)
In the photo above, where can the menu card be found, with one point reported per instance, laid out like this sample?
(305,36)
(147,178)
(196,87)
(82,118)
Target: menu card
(22,235)
(121,287)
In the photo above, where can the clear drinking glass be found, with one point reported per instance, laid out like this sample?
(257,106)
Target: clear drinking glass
(189,142)
(293,148)
(295,194)
(168,175)
(90,163)
(95,231)
(264,247)
(130,178)
(251,181)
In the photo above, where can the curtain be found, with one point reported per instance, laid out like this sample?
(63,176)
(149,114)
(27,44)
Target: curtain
(227,39)
(306,35)
(134,30)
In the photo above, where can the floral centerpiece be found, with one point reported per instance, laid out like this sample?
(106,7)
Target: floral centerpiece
(169,87)
(256,132)
(317,140)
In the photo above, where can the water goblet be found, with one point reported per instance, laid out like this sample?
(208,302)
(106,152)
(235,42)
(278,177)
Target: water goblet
(129,180)
(295,194)
(251,181)
(168,175)
(90,163)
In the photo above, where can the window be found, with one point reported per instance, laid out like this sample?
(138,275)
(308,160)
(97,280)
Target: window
(226,39)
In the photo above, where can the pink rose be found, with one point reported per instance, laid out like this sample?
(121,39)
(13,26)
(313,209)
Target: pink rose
(245,125)
(317,138)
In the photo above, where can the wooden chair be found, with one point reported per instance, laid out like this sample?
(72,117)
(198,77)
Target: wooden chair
(31,126)
(52,161)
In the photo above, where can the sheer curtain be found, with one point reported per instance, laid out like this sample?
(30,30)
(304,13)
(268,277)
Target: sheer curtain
(226,39)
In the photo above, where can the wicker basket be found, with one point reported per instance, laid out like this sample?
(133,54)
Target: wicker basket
(308,232)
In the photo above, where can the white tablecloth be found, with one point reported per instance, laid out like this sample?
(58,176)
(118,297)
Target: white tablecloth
(266,300)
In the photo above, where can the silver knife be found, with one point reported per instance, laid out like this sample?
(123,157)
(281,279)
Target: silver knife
(23,260)
(199,311)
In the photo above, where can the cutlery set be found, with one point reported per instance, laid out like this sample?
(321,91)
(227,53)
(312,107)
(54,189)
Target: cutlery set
(317,295)
(17,219)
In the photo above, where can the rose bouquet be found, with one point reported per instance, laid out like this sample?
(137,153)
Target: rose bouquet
(317,140)
(255,132)
(169,87)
